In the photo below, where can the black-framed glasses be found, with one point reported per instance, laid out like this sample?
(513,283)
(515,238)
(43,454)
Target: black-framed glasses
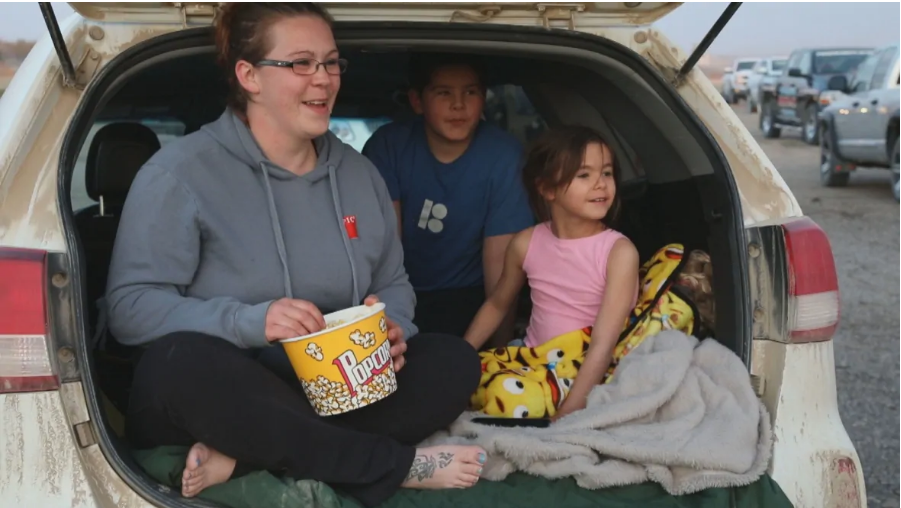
(308,66)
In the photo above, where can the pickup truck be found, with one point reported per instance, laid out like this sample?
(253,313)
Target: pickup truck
(766,70)
(793,100)
(735,79)
(861,128)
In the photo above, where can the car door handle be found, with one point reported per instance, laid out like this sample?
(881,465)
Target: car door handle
(874,102)
(855,104)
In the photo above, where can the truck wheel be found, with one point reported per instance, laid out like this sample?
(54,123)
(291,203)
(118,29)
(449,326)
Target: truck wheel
(811,129)
(768,120)
(895,171)
(831,174)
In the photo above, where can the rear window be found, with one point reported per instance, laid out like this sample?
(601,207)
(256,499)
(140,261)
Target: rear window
(838,62)
(745,66)
(166,130)
(506,106)
(778,65)
(356,131)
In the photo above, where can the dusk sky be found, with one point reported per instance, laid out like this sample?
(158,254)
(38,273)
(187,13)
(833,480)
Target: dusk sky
(756,28)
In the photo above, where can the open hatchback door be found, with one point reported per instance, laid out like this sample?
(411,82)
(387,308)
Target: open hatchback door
(549,14)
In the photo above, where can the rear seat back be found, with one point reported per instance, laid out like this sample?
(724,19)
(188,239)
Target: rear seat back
(117,152)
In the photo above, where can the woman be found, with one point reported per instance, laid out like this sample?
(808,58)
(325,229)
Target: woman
(246,232)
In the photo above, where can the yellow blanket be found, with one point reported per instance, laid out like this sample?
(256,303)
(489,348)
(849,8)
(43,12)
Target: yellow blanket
(524,382)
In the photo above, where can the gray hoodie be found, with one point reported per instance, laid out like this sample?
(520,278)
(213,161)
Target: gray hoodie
(212,233)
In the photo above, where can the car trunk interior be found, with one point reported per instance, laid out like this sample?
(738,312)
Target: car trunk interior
(675,184)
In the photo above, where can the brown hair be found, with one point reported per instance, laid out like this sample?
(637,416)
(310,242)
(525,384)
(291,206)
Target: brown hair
(241,31)
(553,161)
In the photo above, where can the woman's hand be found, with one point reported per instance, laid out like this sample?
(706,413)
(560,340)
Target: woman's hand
(395,337)
(288,318)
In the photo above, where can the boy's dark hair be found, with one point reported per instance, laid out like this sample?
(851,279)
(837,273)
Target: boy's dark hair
(423,66)
(553,160)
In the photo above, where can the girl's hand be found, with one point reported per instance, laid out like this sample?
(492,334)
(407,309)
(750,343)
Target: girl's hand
(395,337)
(288,318)
(570,405)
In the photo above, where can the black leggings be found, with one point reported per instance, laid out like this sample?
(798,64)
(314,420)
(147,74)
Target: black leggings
(191,387)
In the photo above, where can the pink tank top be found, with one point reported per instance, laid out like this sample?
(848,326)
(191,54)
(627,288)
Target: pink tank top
(567,278)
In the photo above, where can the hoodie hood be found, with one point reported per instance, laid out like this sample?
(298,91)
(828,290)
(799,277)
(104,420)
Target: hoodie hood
(237,139)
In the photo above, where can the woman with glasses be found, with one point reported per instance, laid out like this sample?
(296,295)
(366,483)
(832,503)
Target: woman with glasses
(247,232)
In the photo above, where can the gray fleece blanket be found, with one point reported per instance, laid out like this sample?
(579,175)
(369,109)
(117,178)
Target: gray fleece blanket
(680,412)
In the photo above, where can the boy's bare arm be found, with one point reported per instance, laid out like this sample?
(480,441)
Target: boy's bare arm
(493,258)
(499,303)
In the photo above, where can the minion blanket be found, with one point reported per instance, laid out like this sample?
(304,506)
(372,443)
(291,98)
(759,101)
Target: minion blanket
(679,412)
(524,382)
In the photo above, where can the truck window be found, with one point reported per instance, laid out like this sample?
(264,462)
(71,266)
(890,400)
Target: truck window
(745,66)
(806,64)
(885,60)
(778,65)
(838,61)
(864,75)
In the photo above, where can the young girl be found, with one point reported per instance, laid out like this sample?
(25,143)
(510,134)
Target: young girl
(581,272)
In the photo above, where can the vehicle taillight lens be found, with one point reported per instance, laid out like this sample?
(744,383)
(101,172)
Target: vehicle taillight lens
(24,359)
(814,301)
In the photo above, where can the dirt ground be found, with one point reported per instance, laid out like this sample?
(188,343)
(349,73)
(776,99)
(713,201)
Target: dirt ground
(863,227)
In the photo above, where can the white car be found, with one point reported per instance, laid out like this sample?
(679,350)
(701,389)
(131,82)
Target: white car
(766,70)
(691,173)
(735,79)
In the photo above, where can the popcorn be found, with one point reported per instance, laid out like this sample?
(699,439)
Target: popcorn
(383,325)
(314,351)
(364,340)
(332,398)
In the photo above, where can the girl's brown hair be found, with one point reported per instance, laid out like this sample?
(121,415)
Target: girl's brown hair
(553,161)
(242,31)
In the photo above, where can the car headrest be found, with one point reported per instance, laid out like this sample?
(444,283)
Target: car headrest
(117,153)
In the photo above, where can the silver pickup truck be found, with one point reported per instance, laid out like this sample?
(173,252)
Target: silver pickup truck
(861,128)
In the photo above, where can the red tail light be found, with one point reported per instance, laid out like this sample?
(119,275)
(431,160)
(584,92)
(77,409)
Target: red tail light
(814,302)
(24,358)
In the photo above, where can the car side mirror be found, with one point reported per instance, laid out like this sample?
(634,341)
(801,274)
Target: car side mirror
(795,72)
(837,83)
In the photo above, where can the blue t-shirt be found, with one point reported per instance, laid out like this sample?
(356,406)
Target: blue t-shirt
(447,210)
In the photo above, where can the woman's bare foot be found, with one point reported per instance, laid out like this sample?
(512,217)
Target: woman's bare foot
(204,468)
(446,467)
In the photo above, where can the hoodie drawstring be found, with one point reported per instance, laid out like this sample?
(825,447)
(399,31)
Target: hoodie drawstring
(280,239)
(333,180)
(277,230)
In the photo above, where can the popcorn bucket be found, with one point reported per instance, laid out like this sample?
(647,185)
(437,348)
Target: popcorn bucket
(347,365)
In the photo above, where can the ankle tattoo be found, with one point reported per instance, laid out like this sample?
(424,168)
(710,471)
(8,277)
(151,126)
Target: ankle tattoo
(424,466)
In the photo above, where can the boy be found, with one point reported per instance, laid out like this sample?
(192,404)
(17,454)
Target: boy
(457,190)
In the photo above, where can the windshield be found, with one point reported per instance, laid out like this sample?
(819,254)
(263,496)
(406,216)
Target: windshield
(838,62)
(778,65)
(745,66)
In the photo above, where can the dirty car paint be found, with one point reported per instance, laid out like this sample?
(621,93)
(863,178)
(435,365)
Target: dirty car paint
(39,464)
